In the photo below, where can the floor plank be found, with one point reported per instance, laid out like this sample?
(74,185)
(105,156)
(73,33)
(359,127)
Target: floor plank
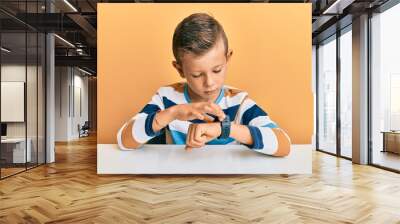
(70,191)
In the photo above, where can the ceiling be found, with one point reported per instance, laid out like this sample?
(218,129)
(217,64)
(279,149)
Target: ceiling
(76,22)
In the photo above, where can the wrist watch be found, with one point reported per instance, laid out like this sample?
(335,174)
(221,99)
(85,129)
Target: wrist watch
(225,128)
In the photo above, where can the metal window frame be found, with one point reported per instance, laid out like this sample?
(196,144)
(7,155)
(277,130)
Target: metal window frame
(340,31)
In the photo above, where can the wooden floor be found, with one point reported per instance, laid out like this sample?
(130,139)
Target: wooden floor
(387,159)
(5,172)
(70,191)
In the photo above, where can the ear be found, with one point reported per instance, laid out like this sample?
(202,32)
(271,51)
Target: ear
(229,55)
(178,67)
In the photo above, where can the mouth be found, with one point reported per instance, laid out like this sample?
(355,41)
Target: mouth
(211,92)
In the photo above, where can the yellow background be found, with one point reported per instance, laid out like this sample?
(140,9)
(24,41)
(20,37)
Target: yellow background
(271,59)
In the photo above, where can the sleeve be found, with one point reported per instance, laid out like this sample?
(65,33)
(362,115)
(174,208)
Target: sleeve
(142,122)
(268,138)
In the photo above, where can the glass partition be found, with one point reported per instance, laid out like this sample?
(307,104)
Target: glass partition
(13,104)
(22,77)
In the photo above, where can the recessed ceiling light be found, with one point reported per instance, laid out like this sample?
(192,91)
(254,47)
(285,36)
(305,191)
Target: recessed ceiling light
(84,71)
(337,7)
(64,40)
(5,50)
(71,6)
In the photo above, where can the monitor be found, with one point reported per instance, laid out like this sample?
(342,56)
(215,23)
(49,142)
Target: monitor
(3,129)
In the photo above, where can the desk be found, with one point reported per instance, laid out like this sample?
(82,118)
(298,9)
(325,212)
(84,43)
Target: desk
(15,148)
(210,159)
(391,141)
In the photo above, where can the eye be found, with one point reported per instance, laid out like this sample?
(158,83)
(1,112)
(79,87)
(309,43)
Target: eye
(196,76)
(218,71)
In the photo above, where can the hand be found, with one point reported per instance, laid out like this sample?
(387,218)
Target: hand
(199,134)
(199,111)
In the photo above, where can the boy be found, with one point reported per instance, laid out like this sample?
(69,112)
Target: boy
(202,110)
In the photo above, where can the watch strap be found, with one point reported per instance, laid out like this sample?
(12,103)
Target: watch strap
(225,128)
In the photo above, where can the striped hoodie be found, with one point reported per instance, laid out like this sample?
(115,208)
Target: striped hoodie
(268,138)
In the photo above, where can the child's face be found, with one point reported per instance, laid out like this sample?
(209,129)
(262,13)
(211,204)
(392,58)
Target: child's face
(205,74)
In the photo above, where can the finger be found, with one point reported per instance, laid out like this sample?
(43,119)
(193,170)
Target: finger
(218,111)
(198,135)
(208,108)
(190,141)
(209,113)
(208,118)
(188,134)
(203,110)
(192,144)
(198,115)
(215,110)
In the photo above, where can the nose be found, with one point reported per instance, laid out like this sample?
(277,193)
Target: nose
(209,81)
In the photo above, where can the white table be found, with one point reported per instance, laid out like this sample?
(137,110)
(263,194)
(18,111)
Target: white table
(19,155)
(211,159)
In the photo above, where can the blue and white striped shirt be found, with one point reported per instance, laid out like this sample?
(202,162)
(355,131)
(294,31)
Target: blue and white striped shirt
(268,138)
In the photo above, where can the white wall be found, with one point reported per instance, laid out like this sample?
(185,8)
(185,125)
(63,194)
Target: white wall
(80,84)
(15,72)
(62,81)
(34,125)
(71,93)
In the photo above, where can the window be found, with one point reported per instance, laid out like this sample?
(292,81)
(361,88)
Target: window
(346,93)
(385,89)
(327,95)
